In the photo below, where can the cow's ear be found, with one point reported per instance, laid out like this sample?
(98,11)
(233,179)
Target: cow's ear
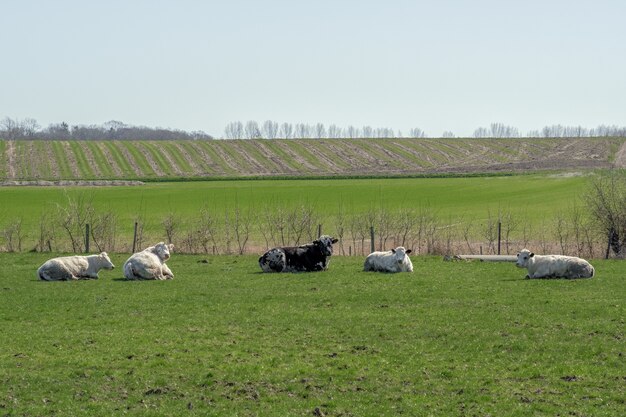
(408,251)
(393,251)
(103,254)
(171,246)
(532,254)
(334,240)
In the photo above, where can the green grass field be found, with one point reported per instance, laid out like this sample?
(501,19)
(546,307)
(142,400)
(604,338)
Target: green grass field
(222,339)
(534,197)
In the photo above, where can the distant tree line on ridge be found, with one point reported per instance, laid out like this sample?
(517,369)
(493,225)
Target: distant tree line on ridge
(273,130)
(28,128)
(14,129)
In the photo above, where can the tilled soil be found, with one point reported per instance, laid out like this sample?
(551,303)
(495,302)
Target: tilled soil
(332,157)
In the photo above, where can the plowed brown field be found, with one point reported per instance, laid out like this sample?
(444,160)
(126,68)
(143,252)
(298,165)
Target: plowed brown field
(62,160)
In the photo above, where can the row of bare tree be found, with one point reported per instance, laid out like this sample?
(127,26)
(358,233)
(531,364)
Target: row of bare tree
(273,130)
(580,230)
(16,129)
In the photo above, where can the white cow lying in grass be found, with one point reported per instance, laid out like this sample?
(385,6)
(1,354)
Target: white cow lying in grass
(553,266)
(74,267)
(149,263)
(396,260)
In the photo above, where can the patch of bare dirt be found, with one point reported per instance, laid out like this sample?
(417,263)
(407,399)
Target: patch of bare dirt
(620,157)
(207,159)
(150,160)
(71,159)
(270,155)
(52,160)
(128,157)
(110,160)
(249,159)
(170,161)
(10,156)
(228,160)
(90,159)
(68,183)
(195,168)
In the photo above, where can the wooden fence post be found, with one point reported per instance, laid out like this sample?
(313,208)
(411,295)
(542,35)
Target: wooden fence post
(87,238)
(135,238)
(499,235)
(319,231)
(372,239)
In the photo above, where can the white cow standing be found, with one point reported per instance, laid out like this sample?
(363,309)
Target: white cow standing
(395,260)
(553,266)
(74,267)
(149,263)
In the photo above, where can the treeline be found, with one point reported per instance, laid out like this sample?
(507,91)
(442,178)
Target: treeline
(274,130)
(29,129)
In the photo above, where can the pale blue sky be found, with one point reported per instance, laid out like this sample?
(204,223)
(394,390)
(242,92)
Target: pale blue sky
(198,65)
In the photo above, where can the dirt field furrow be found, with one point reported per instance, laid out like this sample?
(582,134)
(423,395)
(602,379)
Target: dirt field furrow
(195,168)
(226,158)
(262,168)
(299,159)
(71,159)
(117,171)
(212,165)
(10,158)
(129,158)
(315,149)
(271,155)
(54,164)
(170,161)
(150,160)
(620,157)
(91,160)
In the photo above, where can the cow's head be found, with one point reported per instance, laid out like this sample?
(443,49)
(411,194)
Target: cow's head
(325,243)
(163,251)
(399,254)
(105,261)
(523,258)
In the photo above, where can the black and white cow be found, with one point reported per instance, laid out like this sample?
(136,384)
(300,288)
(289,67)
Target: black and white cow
(310,257)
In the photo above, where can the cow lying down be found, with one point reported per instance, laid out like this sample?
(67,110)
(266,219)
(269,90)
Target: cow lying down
(149,263)
(310,257)
(74,267)
(553,266)
(395,260)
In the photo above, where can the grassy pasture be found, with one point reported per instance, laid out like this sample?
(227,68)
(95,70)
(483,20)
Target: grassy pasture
(532,197)
(224,339)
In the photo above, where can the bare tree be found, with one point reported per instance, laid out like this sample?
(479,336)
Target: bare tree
(207,231)
(286,131)
(171,224)
(252,130)
(416,132)
(73,217)
(46,232)
(270,129)
(234,130)
(334,131)
(320,131)
(242,224)
(103,230)
(607,203)
(13,235)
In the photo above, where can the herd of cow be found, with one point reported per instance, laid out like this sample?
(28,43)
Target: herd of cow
(149,264)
